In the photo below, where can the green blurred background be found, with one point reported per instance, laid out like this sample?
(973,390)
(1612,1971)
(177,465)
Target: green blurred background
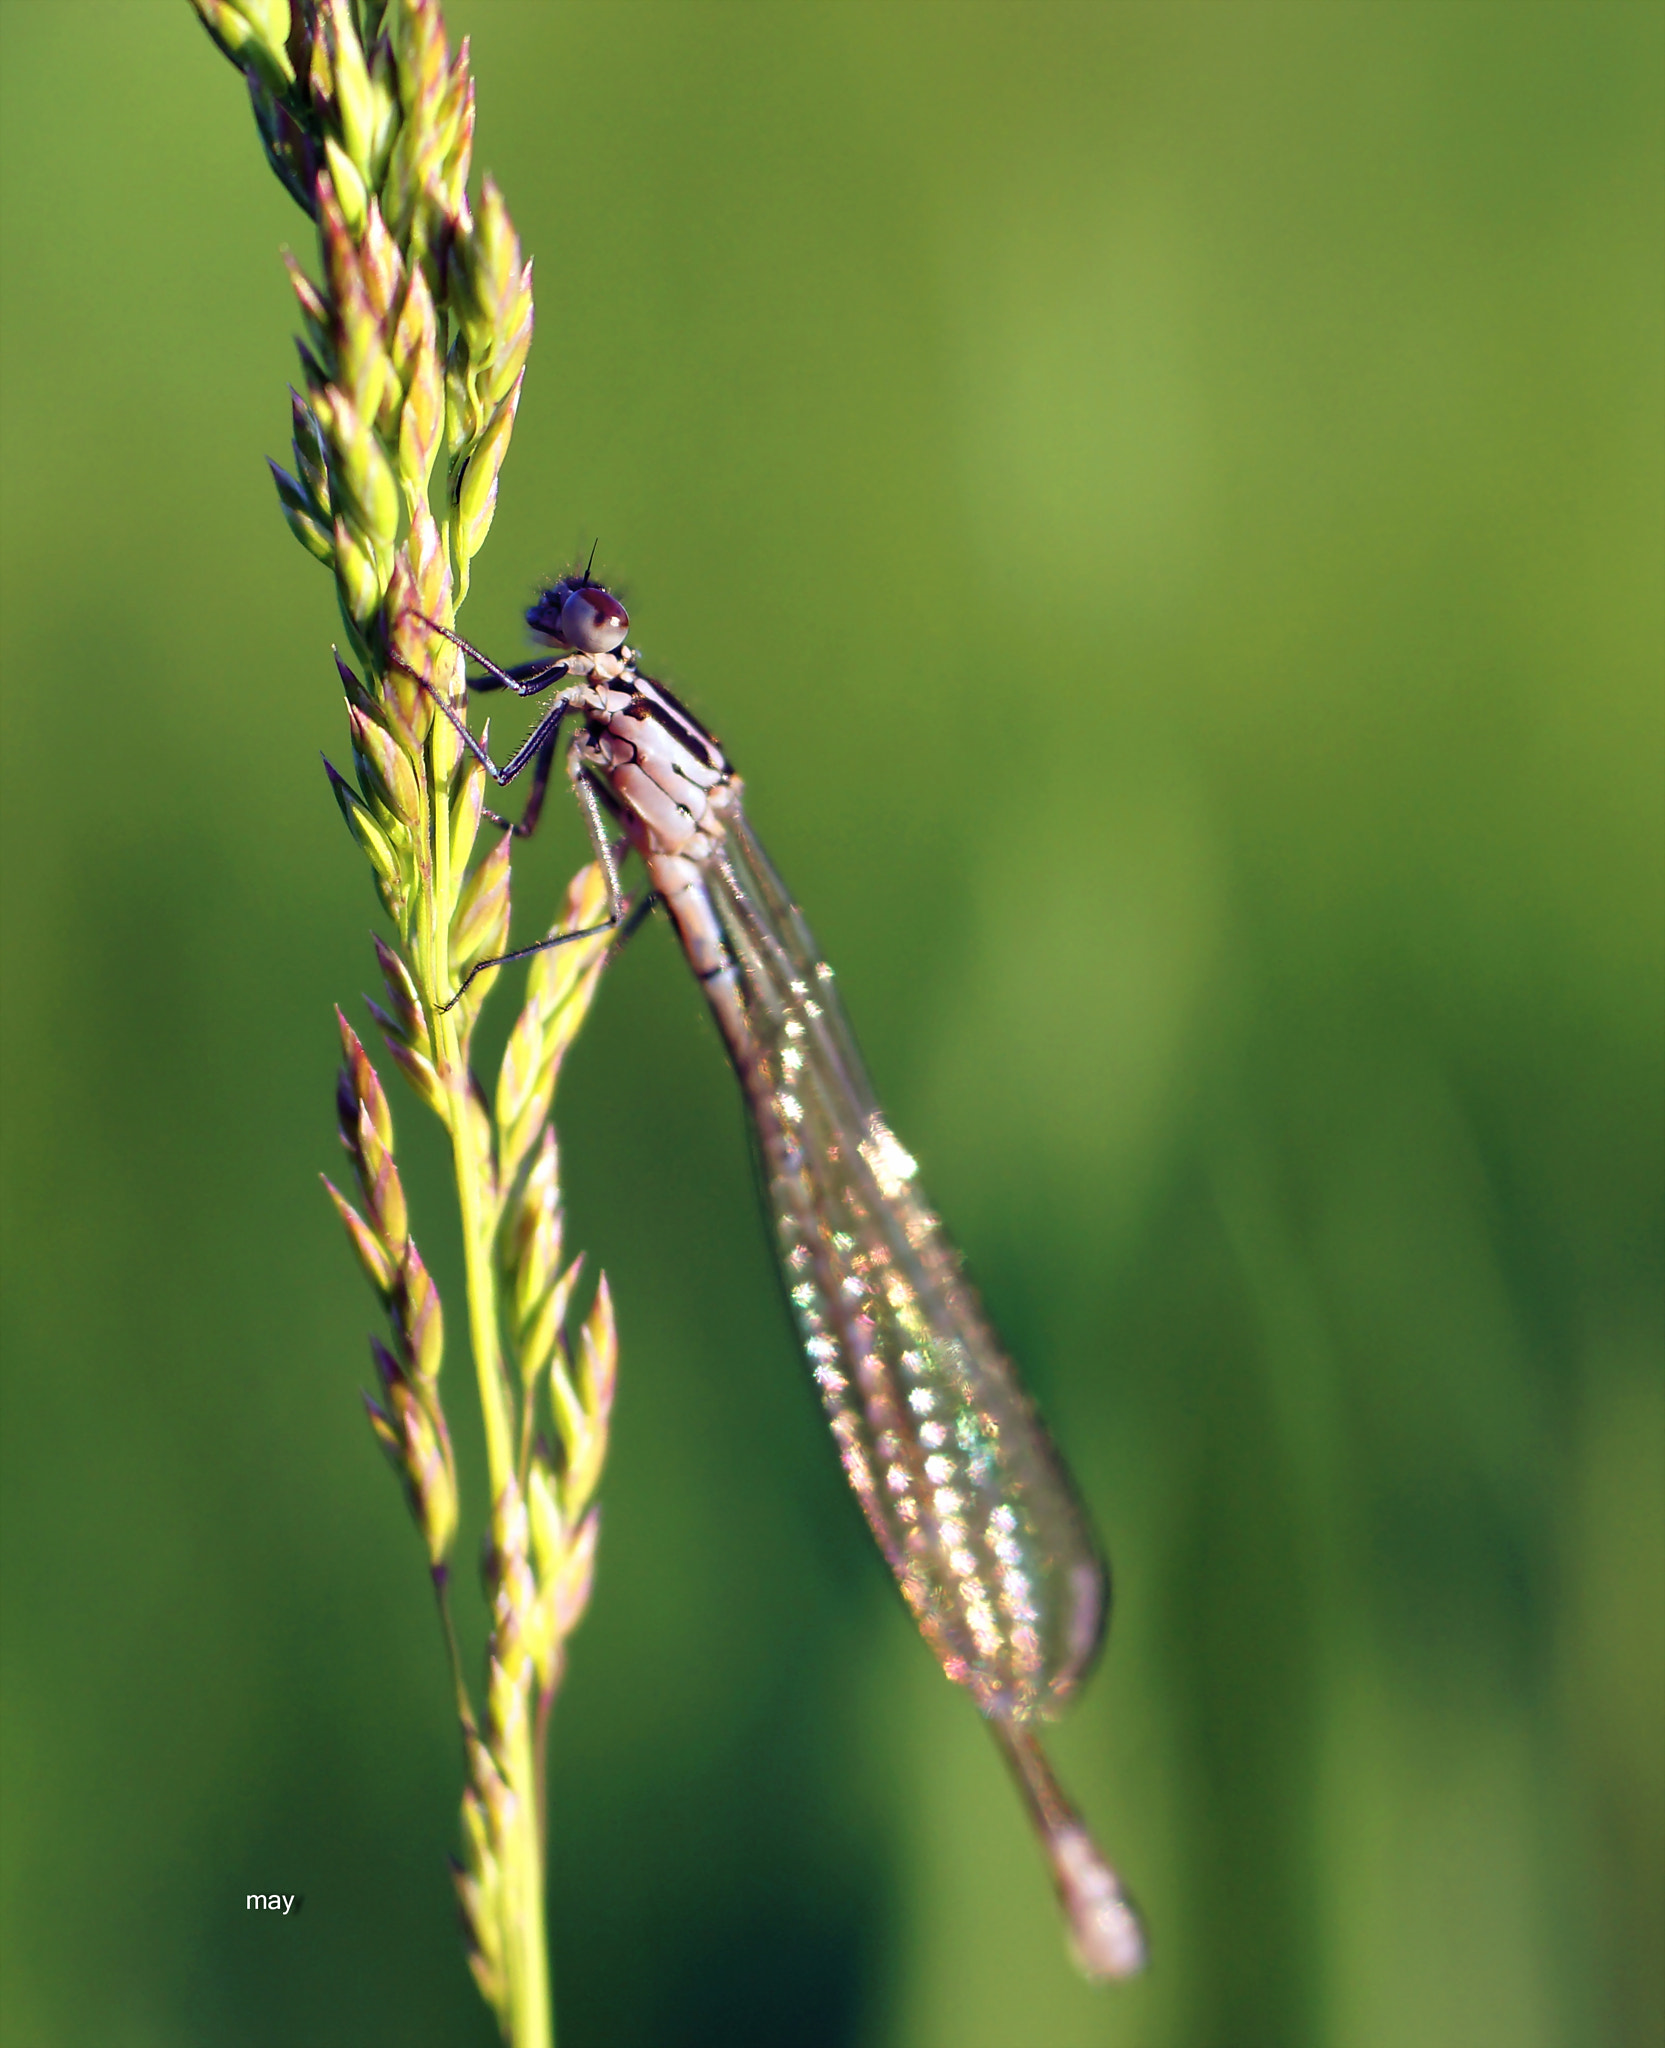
(1164,505)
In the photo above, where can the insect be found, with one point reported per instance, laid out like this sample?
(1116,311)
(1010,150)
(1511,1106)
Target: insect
(961,1486)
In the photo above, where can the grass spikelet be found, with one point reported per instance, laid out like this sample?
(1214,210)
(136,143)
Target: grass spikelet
(416,320)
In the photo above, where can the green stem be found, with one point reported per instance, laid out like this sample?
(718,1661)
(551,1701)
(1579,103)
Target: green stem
(531,2015)
(532,2018)
(478,1264)
(472,1171)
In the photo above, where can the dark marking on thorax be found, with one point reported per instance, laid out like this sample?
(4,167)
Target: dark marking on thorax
(681,723)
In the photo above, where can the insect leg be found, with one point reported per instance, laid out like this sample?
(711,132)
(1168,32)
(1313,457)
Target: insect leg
(635,918)
(526,680)
(530,679)
(544,733)
(584,789)
(534,803)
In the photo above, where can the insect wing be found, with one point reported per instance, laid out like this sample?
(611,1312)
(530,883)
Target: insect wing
(961,1485)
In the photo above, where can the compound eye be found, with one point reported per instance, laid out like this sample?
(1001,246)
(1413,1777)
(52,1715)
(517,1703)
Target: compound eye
(593,620)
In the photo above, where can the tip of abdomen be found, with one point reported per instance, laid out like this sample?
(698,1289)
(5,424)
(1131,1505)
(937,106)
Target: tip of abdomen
(1106,1936)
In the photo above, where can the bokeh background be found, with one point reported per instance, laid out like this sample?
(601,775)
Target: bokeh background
(1164,504)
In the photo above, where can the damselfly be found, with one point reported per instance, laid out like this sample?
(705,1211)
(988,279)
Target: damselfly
(959,1481)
